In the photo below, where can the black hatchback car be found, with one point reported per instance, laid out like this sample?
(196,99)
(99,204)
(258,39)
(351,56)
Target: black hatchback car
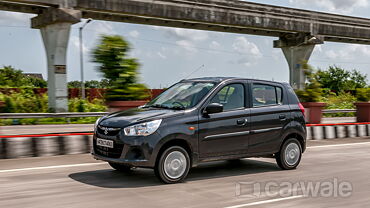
(204,119)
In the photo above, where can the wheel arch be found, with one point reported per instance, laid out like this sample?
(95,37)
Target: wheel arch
(175,142)
(297,136)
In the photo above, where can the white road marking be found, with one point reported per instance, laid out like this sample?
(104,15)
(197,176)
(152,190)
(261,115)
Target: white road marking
(338,145)
(52,167)
(266,201)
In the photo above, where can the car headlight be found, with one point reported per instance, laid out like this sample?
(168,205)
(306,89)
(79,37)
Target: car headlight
(143,129)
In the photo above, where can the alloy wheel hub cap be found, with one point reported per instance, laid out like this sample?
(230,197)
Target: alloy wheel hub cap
(175,165)
(292,154)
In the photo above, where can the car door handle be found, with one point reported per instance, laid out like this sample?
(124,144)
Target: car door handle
(282,117)
(241,122)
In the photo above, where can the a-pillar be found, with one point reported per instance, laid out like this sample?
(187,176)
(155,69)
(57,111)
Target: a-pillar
(297,49)
(55,25)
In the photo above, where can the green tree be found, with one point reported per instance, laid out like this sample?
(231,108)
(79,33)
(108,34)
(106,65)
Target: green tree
(339,79)
(119,69)
(10,77)
(92,84)
(102,84)
(36,82)
(105,83)
(74,84)
(313,90)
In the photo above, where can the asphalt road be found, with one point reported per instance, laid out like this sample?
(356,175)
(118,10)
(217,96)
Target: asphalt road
(44,129)
(79,181)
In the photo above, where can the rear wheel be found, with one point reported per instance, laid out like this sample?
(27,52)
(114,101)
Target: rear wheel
(121,167)
(173,165)
(290,154)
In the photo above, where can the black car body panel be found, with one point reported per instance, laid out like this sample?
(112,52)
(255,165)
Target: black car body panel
(136,115)
(247,131)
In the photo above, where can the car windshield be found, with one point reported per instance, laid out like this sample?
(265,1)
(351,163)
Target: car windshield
(181,96)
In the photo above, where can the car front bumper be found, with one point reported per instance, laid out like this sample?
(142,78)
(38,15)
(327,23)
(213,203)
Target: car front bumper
(134,151)
(135,162)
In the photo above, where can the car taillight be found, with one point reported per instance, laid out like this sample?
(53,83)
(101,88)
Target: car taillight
(301,107)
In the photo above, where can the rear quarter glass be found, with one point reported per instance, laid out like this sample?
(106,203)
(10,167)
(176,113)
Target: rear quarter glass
(293,99)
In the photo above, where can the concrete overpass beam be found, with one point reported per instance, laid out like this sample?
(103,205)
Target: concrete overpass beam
(297,48)
(55,27)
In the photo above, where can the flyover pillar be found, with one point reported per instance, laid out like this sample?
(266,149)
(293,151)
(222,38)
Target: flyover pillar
(297,48)
(55,25)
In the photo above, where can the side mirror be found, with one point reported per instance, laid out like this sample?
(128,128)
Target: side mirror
(214,108)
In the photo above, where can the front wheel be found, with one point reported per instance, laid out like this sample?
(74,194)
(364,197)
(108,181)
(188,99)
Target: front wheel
(290,154)
(173,165)
(121,167)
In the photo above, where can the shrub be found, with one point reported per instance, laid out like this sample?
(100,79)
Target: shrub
(341,101)
(81,105)
(363,94)
(27,102)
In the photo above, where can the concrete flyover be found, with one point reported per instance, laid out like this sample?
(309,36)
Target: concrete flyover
(298,30)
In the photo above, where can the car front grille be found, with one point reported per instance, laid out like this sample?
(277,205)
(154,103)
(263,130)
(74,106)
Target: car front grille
(114,152)
(107,131)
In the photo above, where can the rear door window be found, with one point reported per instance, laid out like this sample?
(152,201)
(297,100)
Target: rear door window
(264,95)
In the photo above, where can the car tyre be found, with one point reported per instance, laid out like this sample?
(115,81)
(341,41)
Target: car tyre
(121,167)
(173,165)
(290,154)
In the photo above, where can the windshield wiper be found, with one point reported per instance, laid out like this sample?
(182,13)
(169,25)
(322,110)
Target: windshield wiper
(164,107)
(156,106)
(177,108)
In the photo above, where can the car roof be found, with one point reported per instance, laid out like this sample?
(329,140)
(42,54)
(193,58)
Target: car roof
(221,79)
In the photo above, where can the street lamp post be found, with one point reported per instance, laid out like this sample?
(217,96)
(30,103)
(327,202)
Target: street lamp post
(83,95)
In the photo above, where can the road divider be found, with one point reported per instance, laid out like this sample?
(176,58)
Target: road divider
(15,146)
(337,130)
(46,135)
(36,145)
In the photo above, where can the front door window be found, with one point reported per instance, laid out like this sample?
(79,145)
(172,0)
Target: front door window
(231,97)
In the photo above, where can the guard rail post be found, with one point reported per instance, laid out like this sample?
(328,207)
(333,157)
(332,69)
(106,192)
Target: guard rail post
(61,145)
(87,144)
(4,148)
(34,147)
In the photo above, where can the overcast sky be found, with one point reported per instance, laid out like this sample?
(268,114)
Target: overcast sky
(168,55)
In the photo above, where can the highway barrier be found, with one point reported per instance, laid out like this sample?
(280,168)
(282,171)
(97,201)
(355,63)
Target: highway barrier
(15,146)
(37,145)
(98,114)
(338,130)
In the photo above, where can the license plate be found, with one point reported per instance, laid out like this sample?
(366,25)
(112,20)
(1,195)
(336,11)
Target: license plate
(104,143)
